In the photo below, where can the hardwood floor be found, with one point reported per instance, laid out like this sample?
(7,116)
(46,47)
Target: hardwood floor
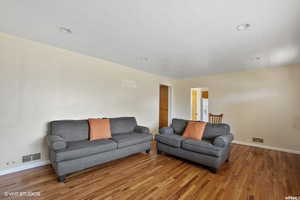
(251,174)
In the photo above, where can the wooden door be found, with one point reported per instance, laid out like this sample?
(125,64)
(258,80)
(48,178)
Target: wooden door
(194,105)
(205,94)
(163,106)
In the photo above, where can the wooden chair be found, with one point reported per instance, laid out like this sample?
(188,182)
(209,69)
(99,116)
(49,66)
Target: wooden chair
(215,119)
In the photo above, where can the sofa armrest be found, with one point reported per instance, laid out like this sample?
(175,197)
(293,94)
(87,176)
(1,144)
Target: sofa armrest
(223,140)
(166,130)
(142,129)
(56,142)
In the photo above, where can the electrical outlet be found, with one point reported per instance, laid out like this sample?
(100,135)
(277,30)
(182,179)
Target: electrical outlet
(258,140)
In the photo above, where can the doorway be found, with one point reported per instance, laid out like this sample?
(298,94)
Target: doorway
(195,104)
(199,104)
(164,106)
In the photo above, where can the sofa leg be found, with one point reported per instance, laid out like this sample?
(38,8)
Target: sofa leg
(148,151)
(227,160)
(213,170)
(62,178)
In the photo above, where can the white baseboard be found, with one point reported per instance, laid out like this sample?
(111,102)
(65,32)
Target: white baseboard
(266,147)
(24,167)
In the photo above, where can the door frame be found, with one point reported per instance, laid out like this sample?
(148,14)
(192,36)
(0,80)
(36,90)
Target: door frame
(198,102)
(170,103)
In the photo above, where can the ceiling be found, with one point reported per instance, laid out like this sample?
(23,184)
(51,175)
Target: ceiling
(174,38)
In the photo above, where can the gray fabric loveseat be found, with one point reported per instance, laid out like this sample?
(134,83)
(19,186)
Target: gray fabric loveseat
(212,151)
(70,149)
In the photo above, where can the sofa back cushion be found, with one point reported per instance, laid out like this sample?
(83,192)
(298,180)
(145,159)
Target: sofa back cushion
(179,125)
(214,130)
(211,130)
(122,125)
(70,130)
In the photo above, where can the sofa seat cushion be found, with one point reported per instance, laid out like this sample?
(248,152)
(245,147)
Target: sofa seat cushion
(124,140)
(170,139)
(84,148)
(202,146)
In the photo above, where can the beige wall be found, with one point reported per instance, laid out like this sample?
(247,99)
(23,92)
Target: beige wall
(260,103)
(40,83)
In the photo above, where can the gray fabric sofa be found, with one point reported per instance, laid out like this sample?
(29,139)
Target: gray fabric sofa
(70,149)
(212,151)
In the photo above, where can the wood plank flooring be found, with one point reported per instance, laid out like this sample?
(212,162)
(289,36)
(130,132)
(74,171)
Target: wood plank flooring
(251,174)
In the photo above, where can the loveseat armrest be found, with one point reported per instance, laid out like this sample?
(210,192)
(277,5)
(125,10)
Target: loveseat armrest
(166,130)
(223,140)
(142,129)
(56,142)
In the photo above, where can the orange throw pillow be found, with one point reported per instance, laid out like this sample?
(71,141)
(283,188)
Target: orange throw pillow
(99,129)
(194,130)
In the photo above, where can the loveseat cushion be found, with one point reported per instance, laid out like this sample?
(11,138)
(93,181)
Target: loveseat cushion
(122,125)
(124,140)
(170,139)
(166,130)
(84,148)
(179,125)
(70,130)
(194,130)
(214,130)
(211,130)
(202,146)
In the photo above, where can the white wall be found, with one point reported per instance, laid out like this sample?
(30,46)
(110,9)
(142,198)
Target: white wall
(261,103)
(40,83)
